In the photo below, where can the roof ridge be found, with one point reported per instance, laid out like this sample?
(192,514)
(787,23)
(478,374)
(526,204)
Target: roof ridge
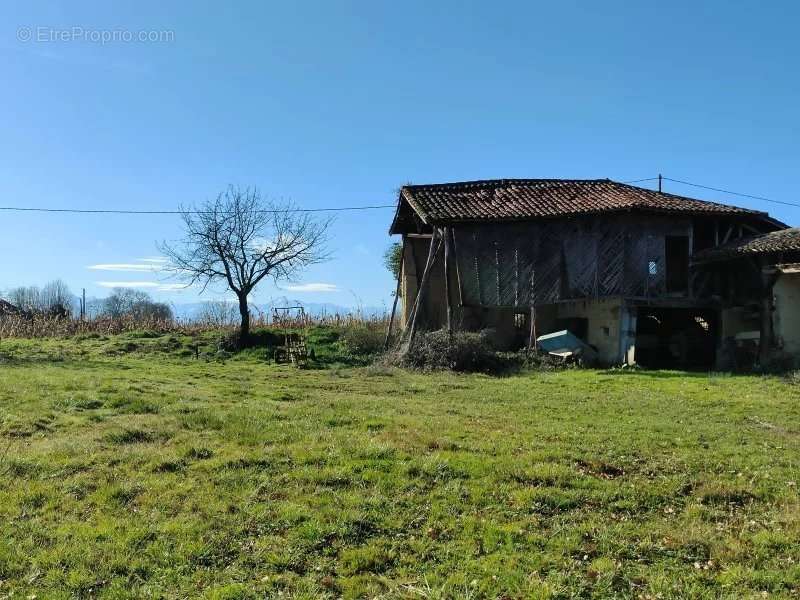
(499,182)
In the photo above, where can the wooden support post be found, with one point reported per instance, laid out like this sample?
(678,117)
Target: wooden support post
(516,275)
(396,296)
(416,265)
(476,253)
(765,339)
(532,339)
(498,300)
(446,234)
(767,333)
(432,252)
(458,270)
(728,235)
(691,253)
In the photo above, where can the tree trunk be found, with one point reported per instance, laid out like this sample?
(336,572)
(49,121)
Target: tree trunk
(244,311)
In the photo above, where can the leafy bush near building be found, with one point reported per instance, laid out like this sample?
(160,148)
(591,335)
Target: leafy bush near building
(459,351)
(362,340)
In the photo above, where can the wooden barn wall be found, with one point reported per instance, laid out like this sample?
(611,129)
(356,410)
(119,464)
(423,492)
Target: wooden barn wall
(520,264)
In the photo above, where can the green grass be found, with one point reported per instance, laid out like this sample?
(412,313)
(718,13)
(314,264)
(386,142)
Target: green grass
(140,471)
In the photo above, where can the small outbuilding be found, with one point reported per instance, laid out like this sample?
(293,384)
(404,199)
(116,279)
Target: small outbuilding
(756,283)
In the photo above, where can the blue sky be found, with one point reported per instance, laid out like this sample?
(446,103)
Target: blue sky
(340,103)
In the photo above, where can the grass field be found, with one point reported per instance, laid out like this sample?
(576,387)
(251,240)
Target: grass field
(129,469)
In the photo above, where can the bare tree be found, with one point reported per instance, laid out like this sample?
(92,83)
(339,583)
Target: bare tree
(135,304)
(122,302)
(26,298)
(56,299)
(218,313)
(240,239)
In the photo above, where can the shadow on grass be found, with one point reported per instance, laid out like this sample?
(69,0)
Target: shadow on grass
(55,360)
(666,374)
(324,347)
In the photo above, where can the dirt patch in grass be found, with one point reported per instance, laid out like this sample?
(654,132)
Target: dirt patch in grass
(599,468)
(135,436)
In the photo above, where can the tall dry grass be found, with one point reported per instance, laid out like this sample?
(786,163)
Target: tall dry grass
(42,326)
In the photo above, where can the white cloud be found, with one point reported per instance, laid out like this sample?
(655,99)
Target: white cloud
(128,284)
(172,287)
(148,264)
(151,285)
(160,260)
(126,267)
(313,287)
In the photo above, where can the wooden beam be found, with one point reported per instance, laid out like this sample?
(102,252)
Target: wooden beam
(446,235)
(458,269)
(751,229)
(497,271)
(432,252)
(728,235)
(691,251)
(532,335)
(416,266)
(766,330)
(532,338)
(477,266)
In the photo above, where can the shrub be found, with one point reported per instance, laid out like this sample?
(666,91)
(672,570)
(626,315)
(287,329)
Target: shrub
(460,351)
(779,363)
(467,352)
(542,361)
(362,340)
(265,338)
(230,341)
(143,334)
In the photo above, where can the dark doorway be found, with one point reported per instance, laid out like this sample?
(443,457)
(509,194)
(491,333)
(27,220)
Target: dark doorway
(676,338)
(576,326)
(677,269)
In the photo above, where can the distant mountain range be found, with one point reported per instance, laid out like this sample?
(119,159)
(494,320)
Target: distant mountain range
(193,310)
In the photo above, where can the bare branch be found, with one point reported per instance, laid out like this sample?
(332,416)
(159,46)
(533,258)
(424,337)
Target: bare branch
(240,239)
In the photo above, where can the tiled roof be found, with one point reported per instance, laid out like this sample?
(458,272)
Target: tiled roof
(522,199)
(784,240)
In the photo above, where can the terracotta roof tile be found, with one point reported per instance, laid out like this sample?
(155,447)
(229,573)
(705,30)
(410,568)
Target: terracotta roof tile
(522,199)
(784,240)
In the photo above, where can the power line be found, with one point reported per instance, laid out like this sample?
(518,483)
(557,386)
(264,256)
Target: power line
(346,208)
(713,189)
(641,180)
(179,212)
